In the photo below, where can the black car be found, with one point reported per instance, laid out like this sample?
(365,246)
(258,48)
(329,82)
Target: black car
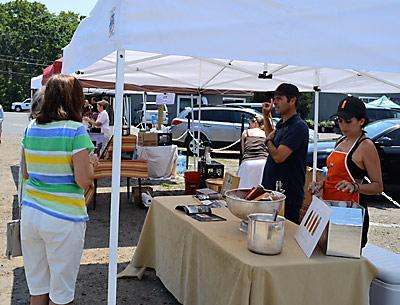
(386,136)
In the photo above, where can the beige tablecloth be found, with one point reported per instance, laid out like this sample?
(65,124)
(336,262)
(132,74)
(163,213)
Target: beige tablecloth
(161,160)
(206,263)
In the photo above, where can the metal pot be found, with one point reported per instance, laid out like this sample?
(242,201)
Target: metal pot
(264,235)
(240,207)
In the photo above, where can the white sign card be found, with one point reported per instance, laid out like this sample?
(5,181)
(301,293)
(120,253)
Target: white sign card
(165,99)
(312,226)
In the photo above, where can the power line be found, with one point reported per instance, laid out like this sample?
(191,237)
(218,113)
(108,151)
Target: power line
(23,62)
(20,57)
(11,72)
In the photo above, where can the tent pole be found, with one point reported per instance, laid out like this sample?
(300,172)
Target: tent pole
(317,89)
(115,182)
(194,140)
(198,133)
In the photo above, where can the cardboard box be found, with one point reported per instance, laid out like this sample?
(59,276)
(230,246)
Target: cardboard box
(342,235)
(147,139)
(230,182)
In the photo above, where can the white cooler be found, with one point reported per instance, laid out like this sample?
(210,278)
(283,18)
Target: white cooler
(385,288)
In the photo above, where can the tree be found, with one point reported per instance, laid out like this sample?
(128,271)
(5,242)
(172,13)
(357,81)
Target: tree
(305,103)
(31,38)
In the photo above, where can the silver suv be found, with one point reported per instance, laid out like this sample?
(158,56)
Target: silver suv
(220,126)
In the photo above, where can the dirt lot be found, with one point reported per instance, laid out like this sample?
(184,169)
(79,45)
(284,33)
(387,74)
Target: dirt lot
(92,280)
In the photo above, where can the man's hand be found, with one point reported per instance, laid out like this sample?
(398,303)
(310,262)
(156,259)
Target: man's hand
(267,108)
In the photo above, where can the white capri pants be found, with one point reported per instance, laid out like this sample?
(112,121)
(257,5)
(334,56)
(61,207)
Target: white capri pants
(52,250)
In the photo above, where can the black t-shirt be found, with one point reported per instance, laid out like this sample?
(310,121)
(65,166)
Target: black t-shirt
(293,134)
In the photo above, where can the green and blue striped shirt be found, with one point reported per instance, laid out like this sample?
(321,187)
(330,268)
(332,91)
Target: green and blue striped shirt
(51,187)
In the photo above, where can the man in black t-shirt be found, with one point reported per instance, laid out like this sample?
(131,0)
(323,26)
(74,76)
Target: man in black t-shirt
(287,145)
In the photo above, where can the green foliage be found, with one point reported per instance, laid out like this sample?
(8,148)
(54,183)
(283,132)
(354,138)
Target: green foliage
(305,104)
(326,124)
(31,38)
(310,123)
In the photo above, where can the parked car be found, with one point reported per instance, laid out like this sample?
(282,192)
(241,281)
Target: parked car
(379,113)
(151,109)
(374,114)
(19,106)
(221,126)
(255,106)
(386,136)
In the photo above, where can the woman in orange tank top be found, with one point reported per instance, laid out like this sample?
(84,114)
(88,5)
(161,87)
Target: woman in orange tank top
(355,157)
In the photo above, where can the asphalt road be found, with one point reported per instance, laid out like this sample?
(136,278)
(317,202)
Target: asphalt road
(14,123)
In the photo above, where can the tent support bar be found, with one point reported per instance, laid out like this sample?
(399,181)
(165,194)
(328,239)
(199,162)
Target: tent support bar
(166,77)
(112,64)
(397,86)
(116,179)
(316,115)
(213,77)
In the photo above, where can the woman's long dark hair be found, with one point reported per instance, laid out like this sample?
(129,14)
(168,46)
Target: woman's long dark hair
(63,100)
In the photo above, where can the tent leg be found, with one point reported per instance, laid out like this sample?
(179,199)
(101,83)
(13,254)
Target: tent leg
(115,182)
(315,148)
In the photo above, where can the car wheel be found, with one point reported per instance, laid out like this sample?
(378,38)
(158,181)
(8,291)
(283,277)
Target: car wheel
(190,143)
(18,109)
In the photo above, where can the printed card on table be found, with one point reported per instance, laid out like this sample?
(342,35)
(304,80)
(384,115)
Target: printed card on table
(312,226)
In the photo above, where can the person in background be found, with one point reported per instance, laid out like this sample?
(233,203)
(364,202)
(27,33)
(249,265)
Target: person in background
(36,104)
(56,163)
(1,120)
(355,157)
(102,122)
(254,154)
(87,109)
(93,101)
(287,147)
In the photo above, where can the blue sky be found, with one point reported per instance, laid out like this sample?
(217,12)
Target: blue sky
(82,7)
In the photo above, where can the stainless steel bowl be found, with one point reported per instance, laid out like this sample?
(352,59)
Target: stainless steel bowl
(240,207)
(265,235)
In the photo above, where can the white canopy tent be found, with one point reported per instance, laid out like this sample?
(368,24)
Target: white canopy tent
(154,69)
(339,34)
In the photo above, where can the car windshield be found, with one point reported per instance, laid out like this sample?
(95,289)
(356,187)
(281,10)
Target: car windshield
(377,127)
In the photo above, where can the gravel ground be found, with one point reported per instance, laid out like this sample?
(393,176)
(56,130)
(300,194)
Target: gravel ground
(92,280)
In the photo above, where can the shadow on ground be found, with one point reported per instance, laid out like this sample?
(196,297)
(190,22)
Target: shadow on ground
(91,288)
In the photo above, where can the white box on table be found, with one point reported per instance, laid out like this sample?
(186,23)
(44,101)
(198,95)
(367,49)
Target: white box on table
(342,235)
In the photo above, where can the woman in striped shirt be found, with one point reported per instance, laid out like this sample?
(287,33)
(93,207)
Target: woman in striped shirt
(57,166)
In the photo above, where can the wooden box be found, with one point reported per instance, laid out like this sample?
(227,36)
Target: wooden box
(147,139)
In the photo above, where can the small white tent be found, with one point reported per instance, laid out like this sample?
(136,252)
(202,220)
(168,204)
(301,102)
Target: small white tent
(333,34)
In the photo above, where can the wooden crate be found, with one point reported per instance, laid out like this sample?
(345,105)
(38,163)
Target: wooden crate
(147,139)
